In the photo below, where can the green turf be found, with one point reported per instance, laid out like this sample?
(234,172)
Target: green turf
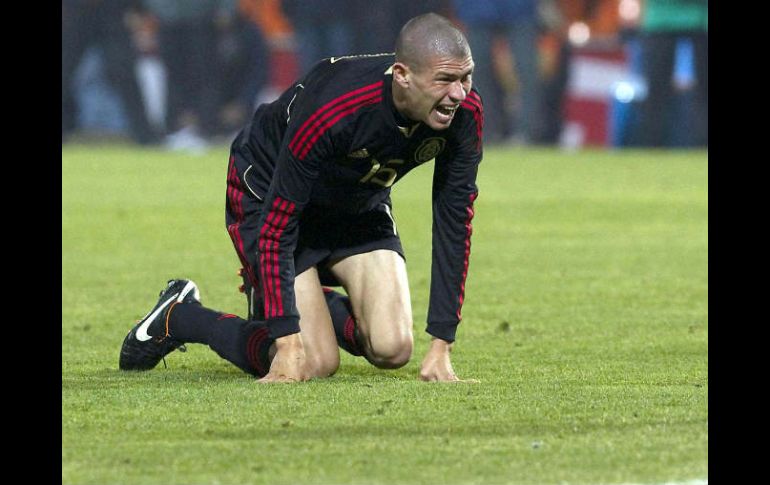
(586,322)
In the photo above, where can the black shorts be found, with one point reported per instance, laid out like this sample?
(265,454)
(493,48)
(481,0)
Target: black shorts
(324,236)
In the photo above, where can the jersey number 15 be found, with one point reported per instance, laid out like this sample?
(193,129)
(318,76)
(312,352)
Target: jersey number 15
(380,175)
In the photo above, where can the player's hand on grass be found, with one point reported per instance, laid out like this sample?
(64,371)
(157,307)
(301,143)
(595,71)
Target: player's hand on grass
(289,363)
(436,366)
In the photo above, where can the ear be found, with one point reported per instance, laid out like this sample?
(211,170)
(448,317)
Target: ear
(401,74)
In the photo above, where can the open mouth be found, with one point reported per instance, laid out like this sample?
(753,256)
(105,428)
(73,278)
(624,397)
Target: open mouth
(445,113)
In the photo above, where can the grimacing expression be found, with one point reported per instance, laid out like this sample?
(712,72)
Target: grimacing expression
(438,88)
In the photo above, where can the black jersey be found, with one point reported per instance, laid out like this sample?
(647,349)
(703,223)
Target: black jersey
(335,140)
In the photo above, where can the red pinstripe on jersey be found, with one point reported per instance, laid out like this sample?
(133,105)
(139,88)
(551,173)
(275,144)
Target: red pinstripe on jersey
(468,231)
(472,103)
(334,120)
(269,249)
(234,191)
(235,199)
(265,262)
(320,121)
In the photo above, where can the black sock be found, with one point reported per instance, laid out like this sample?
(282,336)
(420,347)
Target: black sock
(243,343)
(345,327)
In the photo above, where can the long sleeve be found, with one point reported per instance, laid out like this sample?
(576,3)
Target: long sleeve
(308,144)
(454,193)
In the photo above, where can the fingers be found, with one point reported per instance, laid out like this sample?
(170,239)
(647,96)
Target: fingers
(280,378)
(284,376)
(437,373)
(435,378)
(283,373)
(433,372)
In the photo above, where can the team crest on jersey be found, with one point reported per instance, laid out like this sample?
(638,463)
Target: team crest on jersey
(428,149)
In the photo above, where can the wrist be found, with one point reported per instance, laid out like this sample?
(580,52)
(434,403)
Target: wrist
(290,341)
(443,330)
(440,344)
(282,326)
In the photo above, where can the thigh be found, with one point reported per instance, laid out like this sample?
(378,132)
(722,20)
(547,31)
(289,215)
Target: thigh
(315,322)
(377,285)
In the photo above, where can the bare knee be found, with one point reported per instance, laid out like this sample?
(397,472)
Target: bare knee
(390,351)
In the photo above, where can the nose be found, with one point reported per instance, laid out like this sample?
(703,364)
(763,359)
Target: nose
(456,92)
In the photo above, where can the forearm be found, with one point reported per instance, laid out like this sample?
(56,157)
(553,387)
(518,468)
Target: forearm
(277,241)
(452,231)
(440,345)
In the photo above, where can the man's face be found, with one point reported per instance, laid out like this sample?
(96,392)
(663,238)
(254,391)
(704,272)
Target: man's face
(437,88)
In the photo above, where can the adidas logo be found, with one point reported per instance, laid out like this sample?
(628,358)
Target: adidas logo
(362,153)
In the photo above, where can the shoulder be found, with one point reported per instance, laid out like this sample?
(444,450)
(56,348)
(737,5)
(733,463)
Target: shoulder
(469,120)
(473,104)
(340,85)
(335,77)
(334,93)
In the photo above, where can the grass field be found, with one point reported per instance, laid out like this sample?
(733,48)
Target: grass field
(586,323)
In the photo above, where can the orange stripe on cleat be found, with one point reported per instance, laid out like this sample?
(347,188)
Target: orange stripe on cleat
(168,315)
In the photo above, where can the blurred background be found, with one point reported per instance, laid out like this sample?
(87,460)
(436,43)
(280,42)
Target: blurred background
(187,74)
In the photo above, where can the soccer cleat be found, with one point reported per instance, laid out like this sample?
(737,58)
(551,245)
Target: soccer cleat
(142,351)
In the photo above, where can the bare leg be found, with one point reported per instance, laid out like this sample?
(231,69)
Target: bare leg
(377,285)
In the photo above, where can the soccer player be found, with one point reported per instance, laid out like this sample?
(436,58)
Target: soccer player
(308,207)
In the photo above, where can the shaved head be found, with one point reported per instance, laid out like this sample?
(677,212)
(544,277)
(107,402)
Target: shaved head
(432,72)
(427,36)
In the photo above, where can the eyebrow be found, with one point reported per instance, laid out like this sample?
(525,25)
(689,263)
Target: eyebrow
(451,74)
